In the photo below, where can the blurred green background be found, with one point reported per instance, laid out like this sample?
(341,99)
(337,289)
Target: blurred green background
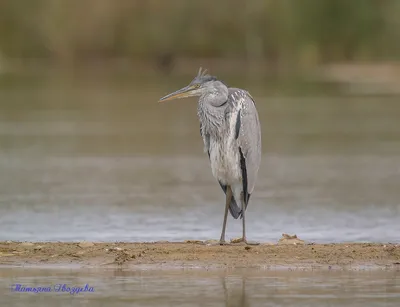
(277,39)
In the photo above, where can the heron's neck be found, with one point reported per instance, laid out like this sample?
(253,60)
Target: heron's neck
(211,117)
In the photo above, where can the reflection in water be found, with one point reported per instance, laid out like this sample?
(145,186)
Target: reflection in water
(205,288)
(236,298)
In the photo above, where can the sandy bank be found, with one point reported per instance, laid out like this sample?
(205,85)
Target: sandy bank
(285,254)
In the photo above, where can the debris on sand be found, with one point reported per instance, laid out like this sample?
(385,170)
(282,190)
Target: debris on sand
(288,239)
(85,244)
(211,242)
(5,254)
(27,244)
(122,257)
(194,242)
(113,249)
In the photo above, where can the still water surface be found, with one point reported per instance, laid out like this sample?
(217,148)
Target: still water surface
(200,288)
(106,162)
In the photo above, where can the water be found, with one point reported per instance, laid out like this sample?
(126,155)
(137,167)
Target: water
(203,288)
(103,161)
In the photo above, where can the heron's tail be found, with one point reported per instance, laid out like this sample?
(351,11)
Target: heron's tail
(234,209)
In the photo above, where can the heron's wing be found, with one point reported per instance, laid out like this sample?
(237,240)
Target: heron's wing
(247,132)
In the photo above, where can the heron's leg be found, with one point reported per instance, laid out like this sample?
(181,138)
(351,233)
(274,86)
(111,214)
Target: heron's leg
(228,202)
(243,218)
(244,239)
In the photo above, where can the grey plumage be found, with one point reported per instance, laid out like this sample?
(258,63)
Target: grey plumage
(230,128)
(240,109)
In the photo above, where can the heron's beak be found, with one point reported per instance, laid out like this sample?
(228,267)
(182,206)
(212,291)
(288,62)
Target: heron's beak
(187,91)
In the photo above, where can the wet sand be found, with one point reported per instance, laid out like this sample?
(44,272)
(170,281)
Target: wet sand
(288,253)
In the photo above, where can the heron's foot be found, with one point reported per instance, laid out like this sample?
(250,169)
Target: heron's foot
(217,243)
(223,242)
(243,241)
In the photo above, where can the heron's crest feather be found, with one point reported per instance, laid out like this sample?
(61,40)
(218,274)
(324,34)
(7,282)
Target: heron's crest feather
(203,77)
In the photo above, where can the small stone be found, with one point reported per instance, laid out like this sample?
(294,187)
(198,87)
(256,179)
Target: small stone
(38,248)
(288,239)
(85,244)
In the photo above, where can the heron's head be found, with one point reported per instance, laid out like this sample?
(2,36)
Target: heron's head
(202,84)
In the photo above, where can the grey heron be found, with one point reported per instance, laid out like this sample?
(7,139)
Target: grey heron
(230,128)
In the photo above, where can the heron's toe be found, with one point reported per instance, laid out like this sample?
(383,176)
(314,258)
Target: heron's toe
(243,241)
(216,243)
